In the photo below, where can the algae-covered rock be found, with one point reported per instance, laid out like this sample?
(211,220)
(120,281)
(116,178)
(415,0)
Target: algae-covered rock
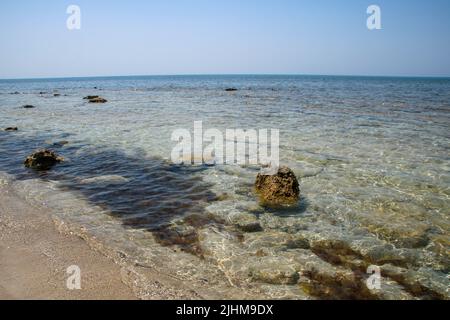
(281,188)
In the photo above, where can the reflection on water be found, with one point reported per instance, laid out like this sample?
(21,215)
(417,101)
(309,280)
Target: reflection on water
(371,155)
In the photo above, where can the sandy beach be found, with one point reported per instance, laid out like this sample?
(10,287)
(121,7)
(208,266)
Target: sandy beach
(36,248)
(34,257)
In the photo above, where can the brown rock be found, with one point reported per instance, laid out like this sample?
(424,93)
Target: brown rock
(279,189)
(90,97)
(98,100)
(42,160)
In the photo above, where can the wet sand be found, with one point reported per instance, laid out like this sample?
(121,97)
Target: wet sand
(35,255)
(34,258)
(37,247)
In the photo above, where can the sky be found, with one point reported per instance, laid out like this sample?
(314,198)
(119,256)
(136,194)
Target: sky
(157,37)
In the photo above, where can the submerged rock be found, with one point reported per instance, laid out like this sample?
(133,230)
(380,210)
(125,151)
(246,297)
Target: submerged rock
(423,283)
(11,129)
(28,106)
(273,272)
(108,179)
(404,224)
(246,222)
(60,144)
(91,97)
(98,100)
(95,99)
(279,189)
(56,94)
(57,144)
(42,160)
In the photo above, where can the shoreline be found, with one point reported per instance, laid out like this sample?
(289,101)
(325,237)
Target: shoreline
(38,242)
(36,249)
(34,258)
(37,246)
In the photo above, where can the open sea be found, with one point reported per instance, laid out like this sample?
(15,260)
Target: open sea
(372,156)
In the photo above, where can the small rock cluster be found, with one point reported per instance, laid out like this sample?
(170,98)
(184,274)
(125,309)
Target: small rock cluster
(95,99)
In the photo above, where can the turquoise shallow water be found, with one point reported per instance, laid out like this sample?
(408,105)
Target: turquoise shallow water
(371,154)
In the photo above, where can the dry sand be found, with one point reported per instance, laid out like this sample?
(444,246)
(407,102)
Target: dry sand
(34,258)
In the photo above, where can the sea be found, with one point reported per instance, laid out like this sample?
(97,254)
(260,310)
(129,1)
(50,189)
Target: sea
(371,154)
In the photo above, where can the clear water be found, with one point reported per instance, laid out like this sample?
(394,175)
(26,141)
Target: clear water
(371,154)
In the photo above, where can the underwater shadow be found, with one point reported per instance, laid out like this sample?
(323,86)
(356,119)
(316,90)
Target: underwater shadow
(144,193)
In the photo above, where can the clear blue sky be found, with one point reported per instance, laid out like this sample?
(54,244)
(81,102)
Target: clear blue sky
(218,36)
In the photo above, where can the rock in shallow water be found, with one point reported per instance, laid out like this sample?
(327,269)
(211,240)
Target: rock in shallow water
(108,179)
(90,97)
(42,160)
(246,222)
(270,270)
(98,100)
(28,106)
(279,189)
(60,144)
(11,129)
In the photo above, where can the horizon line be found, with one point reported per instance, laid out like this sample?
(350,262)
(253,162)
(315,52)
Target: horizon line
(230,74)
